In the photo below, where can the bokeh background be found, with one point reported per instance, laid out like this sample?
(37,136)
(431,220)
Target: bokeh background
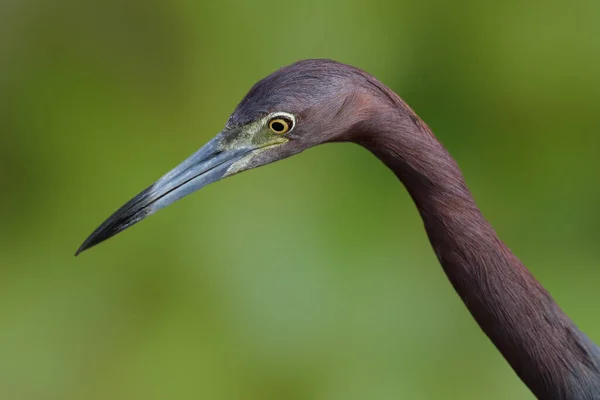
(308,279)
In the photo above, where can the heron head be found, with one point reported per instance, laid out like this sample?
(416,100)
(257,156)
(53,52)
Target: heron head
(295,108)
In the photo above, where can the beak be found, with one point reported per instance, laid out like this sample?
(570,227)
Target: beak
(209,164)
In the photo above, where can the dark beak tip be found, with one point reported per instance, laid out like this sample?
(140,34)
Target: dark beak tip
(86,245)
(80,249)
(98,236)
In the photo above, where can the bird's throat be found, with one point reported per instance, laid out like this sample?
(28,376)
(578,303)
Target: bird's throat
(539,341)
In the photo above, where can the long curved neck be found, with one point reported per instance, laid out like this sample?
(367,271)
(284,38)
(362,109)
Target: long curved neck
(539,341)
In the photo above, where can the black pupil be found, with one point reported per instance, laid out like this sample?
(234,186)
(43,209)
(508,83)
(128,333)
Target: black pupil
(278,126)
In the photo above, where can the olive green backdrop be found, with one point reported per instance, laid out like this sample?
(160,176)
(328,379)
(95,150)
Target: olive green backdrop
(308,279)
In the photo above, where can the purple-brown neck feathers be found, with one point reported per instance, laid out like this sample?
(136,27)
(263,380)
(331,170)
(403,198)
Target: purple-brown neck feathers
(337,102)
(540,342)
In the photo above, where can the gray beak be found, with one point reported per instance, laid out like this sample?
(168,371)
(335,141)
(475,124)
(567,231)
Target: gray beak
(209,164)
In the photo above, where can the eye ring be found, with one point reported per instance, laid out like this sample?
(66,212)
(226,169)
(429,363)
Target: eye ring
(281,125)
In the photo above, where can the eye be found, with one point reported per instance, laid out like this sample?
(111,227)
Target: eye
(281,125)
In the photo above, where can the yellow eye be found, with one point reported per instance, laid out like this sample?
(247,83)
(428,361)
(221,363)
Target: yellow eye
(280,125)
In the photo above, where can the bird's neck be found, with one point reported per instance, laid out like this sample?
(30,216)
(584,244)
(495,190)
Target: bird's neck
(539,341)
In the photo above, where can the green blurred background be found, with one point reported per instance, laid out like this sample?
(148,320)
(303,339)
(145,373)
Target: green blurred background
(308,279)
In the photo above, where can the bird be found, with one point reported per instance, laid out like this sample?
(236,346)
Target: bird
(317,101)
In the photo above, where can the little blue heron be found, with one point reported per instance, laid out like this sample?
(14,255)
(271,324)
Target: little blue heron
(318,101)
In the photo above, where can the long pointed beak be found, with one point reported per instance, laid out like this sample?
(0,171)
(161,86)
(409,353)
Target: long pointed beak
(207,165)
